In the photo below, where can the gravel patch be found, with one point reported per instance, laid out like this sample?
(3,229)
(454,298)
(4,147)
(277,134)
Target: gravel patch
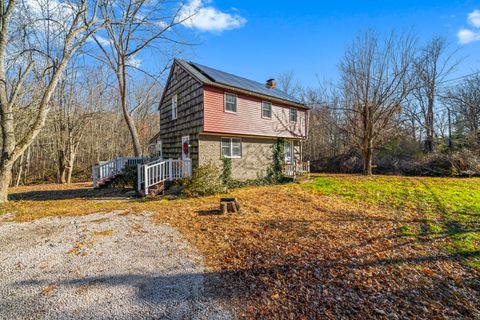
(101,266)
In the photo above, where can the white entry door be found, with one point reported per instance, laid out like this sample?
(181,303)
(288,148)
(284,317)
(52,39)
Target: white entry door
(289,156)
(185,147)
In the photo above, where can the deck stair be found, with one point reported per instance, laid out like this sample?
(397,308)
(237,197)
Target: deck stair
(105,183)
(153,175)
(105,172)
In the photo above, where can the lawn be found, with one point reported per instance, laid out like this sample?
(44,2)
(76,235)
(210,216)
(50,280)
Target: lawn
(338,246)
(451,207)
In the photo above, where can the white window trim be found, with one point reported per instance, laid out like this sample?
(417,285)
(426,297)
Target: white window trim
(271,110)
(231,147)
(290,115)
(175,106)
(225,102)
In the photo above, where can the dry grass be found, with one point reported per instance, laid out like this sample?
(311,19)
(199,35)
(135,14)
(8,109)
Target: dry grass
(296,253)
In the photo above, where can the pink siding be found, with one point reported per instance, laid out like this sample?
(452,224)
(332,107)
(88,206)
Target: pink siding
(248,118)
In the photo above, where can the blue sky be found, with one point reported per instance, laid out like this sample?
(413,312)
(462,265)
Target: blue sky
(260,39)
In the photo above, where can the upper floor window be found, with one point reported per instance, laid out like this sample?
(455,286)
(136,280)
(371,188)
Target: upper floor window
(231,147)
(230,102)
(293,115)
(174,106)
(266,110)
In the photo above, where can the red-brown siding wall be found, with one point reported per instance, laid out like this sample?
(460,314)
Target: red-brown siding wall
(248,118)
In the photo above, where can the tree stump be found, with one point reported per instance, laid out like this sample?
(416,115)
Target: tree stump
(229,205)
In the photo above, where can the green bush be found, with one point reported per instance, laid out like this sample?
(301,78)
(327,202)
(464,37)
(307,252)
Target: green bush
(275,170)
(206,180)
(227,171)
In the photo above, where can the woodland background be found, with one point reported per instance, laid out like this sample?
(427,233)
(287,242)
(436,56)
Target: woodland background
(395,109)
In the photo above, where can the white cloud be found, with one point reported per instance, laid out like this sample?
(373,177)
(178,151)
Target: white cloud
(134,62)
(104,42)
(197,15)
(474,18)
(466,36)
(470,35)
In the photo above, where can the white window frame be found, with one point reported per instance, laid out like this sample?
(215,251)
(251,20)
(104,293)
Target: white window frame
(225,102)
(174,106)
(291,113)
(230,142)
(271,109)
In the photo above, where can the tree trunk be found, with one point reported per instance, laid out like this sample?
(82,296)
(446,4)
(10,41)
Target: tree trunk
(5,179)
(429,122)
(20,169)
(122,83)
(61,167)
(70,163)
(367,159)
(137,147)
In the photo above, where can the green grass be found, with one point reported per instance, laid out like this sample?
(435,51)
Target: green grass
(450,207)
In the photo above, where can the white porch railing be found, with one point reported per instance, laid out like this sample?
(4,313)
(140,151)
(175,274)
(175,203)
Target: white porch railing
(158,171)
(108,169)
(155,171)
(296,168)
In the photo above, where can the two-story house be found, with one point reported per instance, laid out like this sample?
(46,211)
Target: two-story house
(207,113)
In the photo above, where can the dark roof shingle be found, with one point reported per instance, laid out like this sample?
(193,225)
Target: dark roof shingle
(207,74)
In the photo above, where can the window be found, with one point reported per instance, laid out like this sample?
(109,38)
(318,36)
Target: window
(288,152)
(293,115)
(266,110)
(231,148)
(174,106)
(230,102)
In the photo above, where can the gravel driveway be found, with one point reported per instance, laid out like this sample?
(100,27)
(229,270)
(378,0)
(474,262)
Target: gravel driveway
(101,266)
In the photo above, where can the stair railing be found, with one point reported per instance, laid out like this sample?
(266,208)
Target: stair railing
(108,169)
(158,171)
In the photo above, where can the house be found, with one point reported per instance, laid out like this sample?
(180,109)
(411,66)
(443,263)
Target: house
(207,113)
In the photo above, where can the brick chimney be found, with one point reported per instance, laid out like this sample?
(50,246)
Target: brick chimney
(271,84)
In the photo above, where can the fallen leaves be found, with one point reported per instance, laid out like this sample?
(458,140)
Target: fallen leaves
(297,254)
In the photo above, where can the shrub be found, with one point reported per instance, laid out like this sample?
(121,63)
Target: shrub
(227,171)
(275,171)
(457,164)
(128,178)
(206,180)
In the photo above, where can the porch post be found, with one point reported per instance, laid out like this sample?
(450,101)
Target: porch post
(146,182)
(170,169)
(139,177)
(94,177)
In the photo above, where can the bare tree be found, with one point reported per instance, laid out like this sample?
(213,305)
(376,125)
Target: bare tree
(289,84)
(133,26)
(75,107)
(464,100)
(375,81)
(431,68)
(17,63)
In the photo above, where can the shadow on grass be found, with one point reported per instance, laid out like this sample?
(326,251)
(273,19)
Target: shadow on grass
(81,193)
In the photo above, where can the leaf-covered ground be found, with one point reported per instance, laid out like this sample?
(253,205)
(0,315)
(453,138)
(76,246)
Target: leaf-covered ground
(339,246)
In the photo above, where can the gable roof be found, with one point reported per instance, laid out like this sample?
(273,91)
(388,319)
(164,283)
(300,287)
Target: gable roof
(216,77)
